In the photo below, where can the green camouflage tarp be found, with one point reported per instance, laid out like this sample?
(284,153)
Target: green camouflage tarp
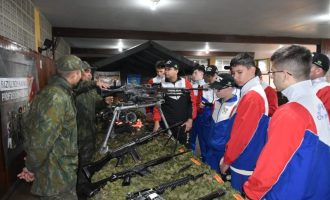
(161,173)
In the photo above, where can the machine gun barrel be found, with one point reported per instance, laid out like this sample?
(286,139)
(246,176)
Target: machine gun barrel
(129,148)
(90,189)
(137,92)
(146,193)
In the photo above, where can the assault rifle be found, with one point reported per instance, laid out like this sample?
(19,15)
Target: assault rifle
(213,195)
(153,193)
(120,152)
(90,189)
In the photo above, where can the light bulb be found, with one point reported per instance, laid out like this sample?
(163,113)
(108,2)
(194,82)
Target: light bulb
(120,46)
(153,4)
(207,48)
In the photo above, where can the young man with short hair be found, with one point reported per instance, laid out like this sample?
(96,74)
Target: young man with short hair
(249,130)
(160,77)
(177,108)
(197,80)
(224,107)
(294,163)
(204,103)
(270,92)
(320,66)
(160,71)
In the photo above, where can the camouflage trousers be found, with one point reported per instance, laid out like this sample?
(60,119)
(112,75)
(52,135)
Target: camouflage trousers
(69,195)
(86,152)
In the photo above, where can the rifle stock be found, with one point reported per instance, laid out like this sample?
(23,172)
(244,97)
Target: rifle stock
(129,148)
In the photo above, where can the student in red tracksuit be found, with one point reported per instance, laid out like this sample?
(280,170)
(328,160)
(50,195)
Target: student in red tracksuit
(224,107)
(295,162)
(197,81)
(320,66)
(270,92)
(204,102)
(177,108)
(160,71)
(249,130)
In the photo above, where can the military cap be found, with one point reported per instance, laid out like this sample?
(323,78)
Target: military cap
(86,65)
(211,70)
(69,63)
(223,81)
(321,61)
(172,63)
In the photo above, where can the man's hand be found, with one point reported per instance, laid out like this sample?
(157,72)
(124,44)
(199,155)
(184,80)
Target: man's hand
(102,85)
(188,125)
(223,167)
(108,100)
(201,105)
(26,175)
(156,126)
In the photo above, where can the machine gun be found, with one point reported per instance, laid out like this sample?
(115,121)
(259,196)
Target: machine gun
(140,97)
(90,189)
(133,94)
(129,148)
(145,93)
(213,195)
(153,193)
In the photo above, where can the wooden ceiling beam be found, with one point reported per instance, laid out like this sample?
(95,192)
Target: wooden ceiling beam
(210,54)
(90,52)
(175,36)
(94,52)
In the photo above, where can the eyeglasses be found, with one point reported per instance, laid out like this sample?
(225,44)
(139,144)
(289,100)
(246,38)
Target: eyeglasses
(273,72)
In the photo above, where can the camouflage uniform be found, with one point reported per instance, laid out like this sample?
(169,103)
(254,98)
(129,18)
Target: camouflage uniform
(51,137)
(87,103)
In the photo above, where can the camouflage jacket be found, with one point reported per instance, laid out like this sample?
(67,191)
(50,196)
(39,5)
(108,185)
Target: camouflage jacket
(51,139)
(88,103)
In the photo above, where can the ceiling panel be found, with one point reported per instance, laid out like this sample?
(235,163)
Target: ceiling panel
(253,17)
(295,18)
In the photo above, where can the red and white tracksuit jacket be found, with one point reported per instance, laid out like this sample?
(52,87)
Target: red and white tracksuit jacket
(295,162)
(156,79)
(248,133)
(271,98)
(322,90)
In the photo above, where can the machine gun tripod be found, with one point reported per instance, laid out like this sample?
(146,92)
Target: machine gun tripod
(110,133)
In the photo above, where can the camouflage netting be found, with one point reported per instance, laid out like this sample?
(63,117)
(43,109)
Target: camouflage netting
(161,173)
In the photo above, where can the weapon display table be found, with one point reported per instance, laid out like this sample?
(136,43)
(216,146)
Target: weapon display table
(178,167)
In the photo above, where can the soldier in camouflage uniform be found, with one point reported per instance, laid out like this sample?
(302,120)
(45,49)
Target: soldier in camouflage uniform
(51,135)
(88,102)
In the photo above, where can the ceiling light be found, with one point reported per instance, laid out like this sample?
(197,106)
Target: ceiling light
(120,46)
(207,48)
(325,17)
(153,4)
